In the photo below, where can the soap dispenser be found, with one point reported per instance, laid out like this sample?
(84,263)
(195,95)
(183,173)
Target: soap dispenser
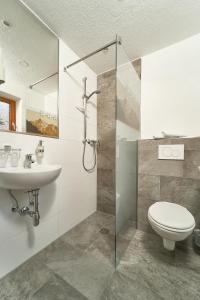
(39,152)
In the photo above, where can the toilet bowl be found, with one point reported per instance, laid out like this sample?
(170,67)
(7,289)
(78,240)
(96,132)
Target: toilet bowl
(171,221)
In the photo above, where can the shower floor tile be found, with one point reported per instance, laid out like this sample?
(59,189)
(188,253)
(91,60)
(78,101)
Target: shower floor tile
(89,230)
(83,259)
(88,274)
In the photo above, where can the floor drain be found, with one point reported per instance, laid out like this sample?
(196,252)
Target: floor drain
(104,231)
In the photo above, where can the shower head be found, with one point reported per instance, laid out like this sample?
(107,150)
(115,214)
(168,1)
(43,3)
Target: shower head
(95,92)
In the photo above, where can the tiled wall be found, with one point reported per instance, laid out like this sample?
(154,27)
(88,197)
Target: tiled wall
(72,197)
(106,126)
(168,180)
(127,135)
(123,116)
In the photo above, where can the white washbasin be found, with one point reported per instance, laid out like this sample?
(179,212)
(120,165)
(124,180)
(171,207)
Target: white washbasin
(27,179)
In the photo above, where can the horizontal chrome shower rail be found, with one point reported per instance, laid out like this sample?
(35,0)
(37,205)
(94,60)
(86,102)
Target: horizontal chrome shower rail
(43,79)
(117,40)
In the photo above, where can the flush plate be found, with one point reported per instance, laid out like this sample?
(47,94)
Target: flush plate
(171,152)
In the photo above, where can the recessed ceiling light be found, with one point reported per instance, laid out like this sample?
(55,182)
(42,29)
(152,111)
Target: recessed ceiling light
(23,63)
(6,23)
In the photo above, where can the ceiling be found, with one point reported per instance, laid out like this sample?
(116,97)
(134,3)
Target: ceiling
(30,50)
(144,25)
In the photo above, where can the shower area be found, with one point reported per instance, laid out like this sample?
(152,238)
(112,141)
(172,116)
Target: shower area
(114,153)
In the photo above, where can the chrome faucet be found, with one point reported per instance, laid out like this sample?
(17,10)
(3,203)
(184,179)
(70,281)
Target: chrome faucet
(28,161)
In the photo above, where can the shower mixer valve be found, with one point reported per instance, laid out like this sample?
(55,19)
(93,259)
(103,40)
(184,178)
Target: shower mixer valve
(91,142)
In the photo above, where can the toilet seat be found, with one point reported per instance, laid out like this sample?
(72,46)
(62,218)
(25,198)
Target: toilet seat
(171,216)
(169,229)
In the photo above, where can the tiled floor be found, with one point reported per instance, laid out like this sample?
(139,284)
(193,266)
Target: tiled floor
(149,272)
(79,266)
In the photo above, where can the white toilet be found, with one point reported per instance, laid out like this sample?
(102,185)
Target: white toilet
(171,221)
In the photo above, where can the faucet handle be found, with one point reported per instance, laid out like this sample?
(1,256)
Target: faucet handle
(7,148)
(28,161)
(29,156)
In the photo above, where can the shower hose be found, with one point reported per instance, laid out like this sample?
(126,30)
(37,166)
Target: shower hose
(94,146)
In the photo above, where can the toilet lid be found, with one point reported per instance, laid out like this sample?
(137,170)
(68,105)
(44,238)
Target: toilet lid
(171,215)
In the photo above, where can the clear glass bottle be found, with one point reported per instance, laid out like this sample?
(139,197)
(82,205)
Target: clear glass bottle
(15,157)
(3,158)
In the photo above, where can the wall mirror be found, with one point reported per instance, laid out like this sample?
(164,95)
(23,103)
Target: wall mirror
(28,72)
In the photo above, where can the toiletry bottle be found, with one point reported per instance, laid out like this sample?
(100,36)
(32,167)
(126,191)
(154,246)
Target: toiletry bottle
(39,152)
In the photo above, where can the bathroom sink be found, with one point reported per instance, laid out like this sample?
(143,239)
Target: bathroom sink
(27,179)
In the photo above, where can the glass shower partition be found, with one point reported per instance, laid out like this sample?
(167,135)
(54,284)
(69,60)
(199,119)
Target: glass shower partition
(128,92)
(118,130)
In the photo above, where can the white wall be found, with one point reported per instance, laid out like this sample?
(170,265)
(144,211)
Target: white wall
(171,90)
(51,103)
(73,196)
